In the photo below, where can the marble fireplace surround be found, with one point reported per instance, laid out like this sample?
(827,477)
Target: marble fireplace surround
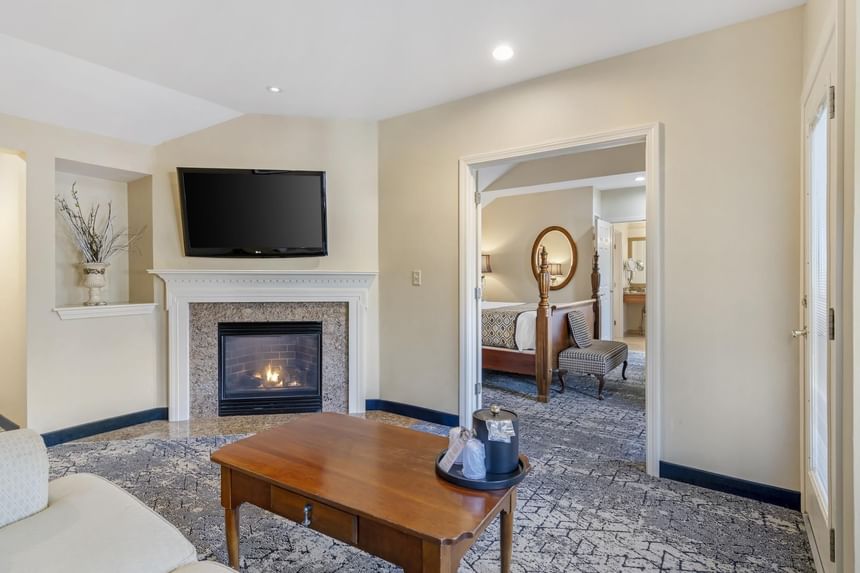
(203,344)
(184,287)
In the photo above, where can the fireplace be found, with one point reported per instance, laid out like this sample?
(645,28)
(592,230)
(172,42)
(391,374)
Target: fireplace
(269,367)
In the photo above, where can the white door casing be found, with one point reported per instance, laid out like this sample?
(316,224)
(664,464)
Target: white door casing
(603,244)
(470,264)
(617,286)
(820,355)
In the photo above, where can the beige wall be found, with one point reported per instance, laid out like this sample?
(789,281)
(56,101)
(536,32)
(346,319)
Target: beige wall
(84,370)
(627,204)
(140,256)
(510,226)
(13,390)
(77,370)
(730,158)
(573,166)
(345,150)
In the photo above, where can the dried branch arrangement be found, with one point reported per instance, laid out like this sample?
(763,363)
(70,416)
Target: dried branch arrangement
(96,237)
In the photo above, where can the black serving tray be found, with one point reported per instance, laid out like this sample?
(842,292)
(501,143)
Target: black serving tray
(491,482)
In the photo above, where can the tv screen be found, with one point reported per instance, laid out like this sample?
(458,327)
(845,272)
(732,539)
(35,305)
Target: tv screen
(253,213)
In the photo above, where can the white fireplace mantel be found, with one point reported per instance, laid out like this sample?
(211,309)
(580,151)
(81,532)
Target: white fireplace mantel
(187,286)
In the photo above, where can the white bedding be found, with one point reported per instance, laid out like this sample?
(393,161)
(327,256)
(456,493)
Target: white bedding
(526,324)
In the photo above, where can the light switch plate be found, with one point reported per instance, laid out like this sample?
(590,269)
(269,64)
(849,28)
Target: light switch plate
(416,278)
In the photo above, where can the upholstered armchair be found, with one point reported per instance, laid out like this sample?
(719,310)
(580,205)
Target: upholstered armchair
(79,522)
(588,356)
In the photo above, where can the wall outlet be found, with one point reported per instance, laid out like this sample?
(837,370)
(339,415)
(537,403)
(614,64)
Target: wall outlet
(416,278)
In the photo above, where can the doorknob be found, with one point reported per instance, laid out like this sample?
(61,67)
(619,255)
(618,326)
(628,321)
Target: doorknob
(799,333)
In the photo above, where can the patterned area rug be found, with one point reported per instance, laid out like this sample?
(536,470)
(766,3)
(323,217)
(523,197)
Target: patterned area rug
(587,506)
(576,422)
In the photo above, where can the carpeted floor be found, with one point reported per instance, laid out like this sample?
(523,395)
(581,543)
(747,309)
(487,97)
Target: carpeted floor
(587,506)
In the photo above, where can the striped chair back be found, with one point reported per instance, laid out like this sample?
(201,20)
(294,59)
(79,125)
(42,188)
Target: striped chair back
(579,329)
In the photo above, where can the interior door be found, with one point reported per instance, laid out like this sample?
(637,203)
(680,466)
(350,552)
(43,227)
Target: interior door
(478,396)
(603,242)
(617,286)
(819,356)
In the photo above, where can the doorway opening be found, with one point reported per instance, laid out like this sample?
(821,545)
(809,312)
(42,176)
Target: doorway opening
(629,286)
(491,186)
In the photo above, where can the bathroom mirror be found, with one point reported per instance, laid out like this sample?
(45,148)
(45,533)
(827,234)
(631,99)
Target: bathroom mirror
(561,255)
(636,254)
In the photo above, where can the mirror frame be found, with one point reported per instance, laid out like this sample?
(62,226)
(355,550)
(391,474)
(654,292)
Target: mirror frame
(630,241)
(574,256)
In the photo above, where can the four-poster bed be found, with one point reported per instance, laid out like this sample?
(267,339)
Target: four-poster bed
(551,331)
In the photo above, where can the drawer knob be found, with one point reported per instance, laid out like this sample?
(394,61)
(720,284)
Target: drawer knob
(308,509)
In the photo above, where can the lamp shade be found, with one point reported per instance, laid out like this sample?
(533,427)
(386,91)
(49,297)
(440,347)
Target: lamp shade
(485,264)
(554,269)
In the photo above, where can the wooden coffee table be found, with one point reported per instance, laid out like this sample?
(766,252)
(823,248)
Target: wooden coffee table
(365,483)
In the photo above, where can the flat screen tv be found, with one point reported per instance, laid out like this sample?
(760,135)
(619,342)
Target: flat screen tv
(253,212)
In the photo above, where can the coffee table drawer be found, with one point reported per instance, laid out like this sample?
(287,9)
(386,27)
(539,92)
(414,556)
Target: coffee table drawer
(321,517)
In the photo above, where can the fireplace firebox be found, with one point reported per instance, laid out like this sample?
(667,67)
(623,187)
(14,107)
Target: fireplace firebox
(269,367)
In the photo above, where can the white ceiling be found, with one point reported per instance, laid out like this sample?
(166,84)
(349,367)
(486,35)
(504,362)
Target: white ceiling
(166,67)
(44,85)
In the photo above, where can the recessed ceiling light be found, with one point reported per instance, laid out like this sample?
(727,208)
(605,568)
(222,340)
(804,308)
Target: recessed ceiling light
(503,52)
(274,89)
(640,179)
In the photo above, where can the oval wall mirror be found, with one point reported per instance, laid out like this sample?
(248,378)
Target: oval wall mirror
(561,256)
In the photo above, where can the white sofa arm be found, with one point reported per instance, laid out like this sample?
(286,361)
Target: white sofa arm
(23,475)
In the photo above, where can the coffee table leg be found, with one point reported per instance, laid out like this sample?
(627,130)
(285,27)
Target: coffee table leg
(507,537)
(231,523)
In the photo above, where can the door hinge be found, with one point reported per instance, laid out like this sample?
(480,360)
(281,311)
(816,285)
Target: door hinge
(833,546)
(478,293)
(477,388)
(831,102)
(831,326)
(803,302)
(477,197)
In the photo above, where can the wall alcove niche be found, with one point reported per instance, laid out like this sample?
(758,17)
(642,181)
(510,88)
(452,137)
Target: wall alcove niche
(129,287)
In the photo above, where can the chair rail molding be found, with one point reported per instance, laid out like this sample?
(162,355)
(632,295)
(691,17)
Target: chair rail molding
(186,286)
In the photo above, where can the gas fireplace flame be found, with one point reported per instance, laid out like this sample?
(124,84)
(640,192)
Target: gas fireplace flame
(272,378)
(275,377)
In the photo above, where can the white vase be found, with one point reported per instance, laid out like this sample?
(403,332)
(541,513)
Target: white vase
(94,279)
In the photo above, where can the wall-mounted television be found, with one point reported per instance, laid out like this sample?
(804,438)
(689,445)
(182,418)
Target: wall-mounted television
(253,212)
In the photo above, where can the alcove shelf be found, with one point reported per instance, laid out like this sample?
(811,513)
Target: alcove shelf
(129,194)
(121,309)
